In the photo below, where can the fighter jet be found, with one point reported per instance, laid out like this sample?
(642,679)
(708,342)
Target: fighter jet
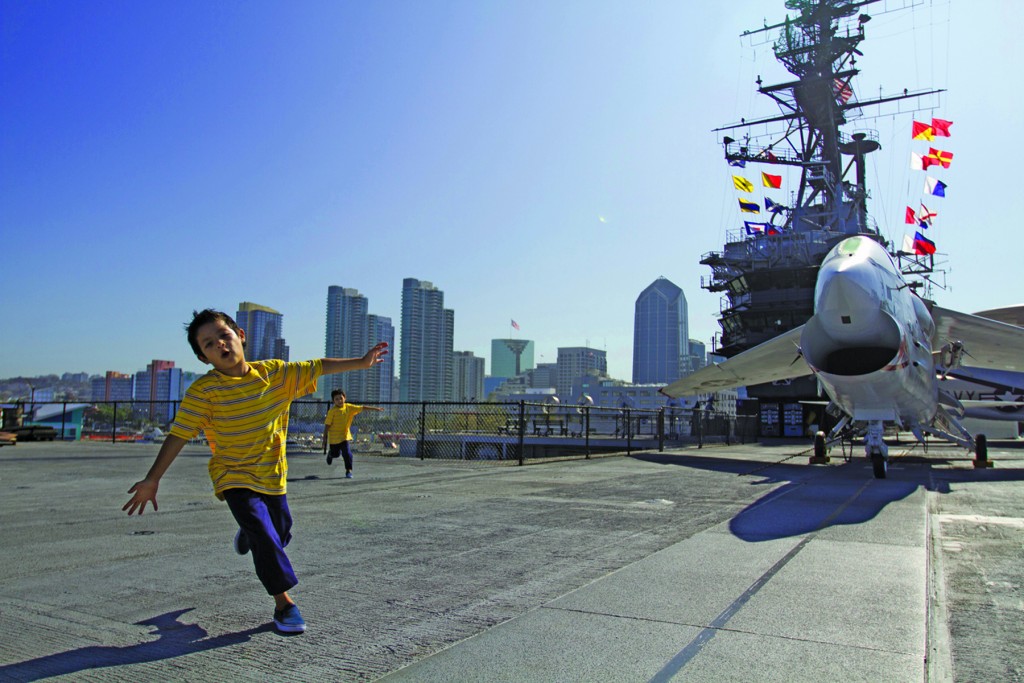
(879,352)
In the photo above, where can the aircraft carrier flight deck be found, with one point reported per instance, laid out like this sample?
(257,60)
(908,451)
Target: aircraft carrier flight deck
(724,563)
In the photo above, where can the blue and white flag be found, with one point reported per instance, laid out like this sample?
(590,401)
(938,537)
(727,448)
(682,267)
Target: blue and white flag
(934,186)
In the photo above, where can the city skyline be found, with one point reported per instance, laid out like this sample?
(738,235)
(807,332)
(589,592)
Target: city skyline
(542,163)
(347,329)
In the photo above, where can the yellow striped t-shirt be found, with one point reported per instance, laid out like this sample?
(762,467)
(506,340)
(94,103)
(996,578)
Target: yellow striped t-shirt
(246,422)
(339,422)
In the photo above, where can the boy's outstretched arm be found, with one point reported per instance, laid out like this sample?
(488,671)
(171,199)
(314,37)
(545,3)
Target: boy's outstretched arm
(373,356)
(145,490)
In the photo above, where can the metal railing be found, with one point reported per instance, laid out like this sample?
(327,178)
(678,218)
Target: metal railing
(499,431)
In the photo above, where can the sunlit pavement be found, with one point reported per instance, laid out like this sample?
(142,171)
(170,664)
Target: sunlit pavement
(724,563)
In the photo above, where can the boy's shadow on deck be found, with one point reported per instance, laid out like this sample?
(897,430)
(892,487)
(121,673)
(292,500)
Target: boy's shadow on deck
(174,639)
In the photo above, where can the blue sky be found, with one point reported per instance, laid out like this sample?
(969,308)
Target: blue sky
(542,162)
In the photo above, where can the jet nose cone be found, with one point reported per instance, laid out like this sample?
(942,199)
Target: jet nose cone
(847,286)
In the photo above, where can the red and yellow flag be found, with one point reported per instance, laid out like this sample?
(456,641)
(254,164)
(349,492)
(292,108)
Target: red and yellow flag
(922,131)
(770,180)
(939,157)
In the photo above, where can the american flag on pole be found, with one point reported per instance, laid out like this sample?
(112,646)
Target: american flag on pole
(842,90)
(515,325)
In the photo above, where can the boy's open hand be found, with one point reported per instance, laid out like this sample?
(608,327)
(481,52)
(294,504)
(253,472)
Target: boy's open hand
(375,355)
(145,492)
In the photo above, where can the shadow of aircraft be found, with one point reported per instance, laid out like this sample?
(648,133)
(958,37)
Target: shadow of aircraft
(812,498)
(174,639)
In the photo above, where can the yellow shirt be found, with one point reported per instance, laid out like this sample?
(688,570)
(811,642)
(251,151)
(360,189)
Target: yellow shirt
(246,422)
(339,422)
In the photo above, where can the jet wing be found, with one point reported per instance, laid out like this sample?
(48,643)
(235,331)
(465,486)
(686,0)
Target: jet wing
(1011,315)
(774,360)
(987,343)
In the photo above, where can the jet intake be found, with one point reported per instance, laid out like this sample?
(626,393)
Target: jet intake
(827,350)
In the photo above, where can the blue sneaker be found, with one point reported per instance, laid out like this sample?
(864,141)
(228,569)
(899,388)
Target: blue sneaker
(240,543)
(348,475)
(288,620)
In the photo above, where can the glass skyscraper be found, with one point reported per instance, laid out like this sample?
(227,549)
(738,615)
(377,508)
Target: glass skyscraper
(347,336)
(351,331)
(380,383)
(661,350)
(263,331)
(428,329)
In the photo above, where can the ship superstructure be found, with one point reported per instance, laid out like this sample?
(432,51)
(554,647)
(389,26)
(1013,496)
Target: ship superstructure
(767,279)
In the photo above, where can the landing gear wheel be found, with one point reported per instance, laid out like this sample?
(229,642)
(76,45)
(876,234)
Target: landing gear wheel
(981,447)
(820,456)
(981,452)
(878,465)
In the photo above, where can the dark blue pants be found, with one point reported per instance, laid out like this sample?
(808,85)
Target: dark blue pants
(346,453)
(266,522)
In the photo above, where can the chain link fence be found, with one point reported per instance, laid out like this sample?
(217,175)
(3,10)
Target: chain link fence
(510,431)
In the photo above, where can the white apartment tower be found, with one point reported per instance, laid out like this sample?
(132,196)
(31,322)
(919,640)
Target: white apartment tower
(468,380)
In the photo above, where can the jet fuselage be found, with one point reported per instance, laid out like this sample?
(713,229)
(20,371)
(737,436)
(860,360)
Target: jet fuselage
(869,341)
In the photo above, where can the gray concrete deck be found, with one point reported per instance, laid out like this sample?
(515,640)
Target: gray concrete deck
(733,563)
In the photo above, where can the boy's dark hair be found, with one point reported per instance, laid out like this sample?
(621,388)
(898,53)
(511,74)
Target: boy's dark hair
(337,392)
(200,318)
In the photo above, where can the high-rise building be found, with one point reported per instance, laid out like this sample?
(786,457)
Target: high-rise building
(661,352)
(114,386)
(428,329)
(351,331)
(575,362)
(468,377)
(156,390)
(348,336)
(263,331)
(380,380)
(511,357)
(698,355)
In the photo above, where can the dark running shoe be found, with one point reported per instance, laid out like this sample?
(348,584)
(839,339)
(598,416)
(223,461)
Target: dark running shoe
(288,620)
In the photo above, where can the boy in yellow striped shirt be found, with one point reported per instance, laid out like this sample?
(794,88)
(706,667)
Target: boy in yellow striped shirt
(242,408)
(338,428)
